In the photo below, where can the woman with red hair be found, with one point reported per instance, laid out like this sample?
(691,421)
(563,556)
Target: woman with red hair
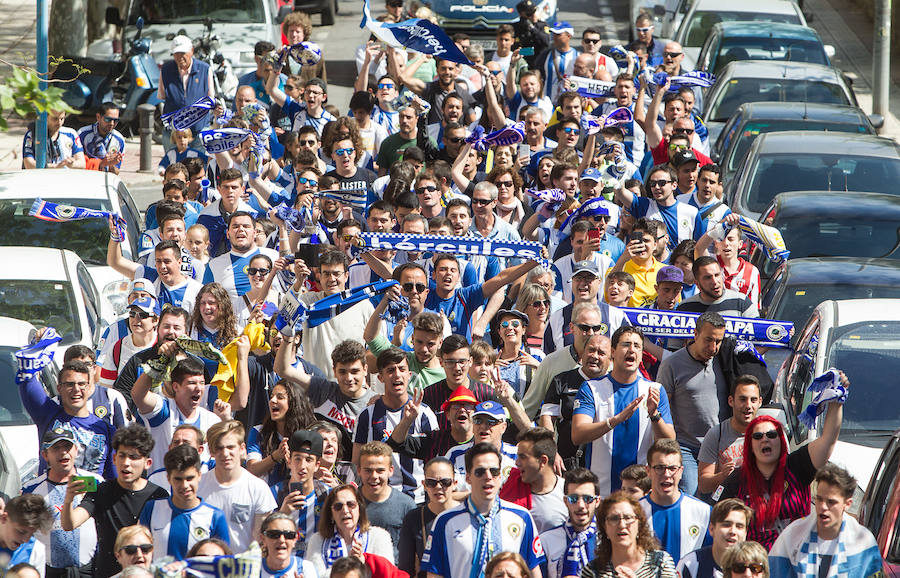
(776,483)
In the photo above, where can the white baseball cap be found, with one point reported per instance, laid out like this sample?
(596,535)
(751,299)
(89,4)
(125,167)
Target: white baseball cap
(181,43)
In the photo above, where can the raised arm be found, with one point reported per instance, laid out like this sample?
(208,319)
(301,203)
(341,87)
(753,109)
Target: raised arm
(276,94)
(143,398)
(283,364)
(512,86)
(374,321)
(407,78)
(456,171)
(506,277)
(496,116)
(114,256)
(373,53)
(588,155)
(241,394)
(820,449)
(69,516)
(651,127)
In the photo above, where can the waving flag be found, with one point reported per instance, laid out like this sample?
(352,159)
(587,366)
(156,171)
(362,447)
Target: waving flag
(223,139)
(190,115)
(824,389)
(552,196)
(416,34)
(506,136)
(57,213)
(594,124)
(693,78)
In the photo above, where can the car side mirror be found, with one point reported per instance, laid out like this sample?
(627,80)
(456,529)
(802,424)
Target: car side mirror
(877,120)
(829,51)
(113,17)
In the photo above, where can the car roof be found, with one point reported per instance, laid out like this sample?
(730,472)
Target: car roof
(56,184)
(850,311)
(778,70)
(849,205)
(14,332)
(756,6)
(841,271)
(837,113)
(862,145)
(770,30)
(37,263)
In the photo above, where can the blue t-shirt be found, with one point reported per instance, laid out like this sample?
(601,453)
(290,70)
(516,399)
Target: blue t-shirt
(459,307)
(175,531)
(680,528)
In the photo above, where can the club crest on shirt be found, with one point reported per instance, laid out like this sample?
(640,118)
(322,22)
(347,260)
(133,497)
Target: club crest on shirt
(694,531)
(514,529)
(201,533)
(101,411)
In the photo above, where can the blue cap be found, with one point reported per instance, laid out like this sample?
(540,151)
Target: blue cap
(491,408)
(591,174)
(146,304)
(560,27)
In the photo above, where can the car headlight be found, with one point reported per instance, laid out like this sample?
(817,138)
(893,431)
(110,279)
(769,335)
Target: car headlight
(117,295)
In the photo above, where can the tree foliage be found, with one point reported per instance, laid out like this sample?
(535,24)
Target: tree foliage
(21,94)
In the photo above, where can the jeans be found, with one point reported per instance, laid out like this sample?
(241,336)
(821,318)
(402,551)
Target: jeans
(689,475)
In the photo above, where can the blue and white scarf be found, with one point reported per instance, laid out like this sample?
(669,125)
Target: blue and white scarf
(552,197)
(244,565)
(396,310)
(590,208)
(334,548)
(34,357)
(506,136)
(415,34)
(580,551)
(190,115)
(693,78)
(588,87)
(57,213)
(593,124)
(222,140)
(454,245)
(824,389)
(292,313)
(680,325)
(488,537)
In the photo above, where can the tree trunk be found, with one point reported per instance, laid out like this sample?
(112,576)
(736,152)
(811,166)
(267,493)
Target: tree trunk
(68,28)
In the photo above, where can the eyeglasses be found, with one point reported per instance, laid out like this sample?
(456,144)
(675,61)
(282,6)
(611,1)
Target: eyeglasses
(589,328)
(672,54)
(307,143)
(419,287)
(658,183)
(456,361)
(483,420)
(343,152)
(112,119)
(257,271)
(433,483)
(481,472)
(74,384)
(587,498)
(570,130)
(741,567)
(644,28)
(541,303)
(131,549)
(661,468)
(483,202)
(275,534)
(504,184)
(456,139)
(314,92)
(591,40)
(290,87)
(385,86)
(138,313)
(310,182)
(426,188)
(683,131)
(627,518)
(338,506)
(515,324)
(771,434)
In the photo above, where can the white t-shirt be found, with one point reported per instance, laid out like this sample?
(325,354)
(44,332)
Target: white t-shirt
(549,510)
(241,502)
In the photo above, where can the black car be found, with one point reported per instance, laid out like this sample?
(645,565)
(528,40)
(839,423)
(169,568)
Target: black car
(833,224)
(756,118)
(799,285)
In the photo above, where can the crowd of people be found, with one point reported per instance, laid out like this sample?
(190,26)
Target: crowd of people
(480,416)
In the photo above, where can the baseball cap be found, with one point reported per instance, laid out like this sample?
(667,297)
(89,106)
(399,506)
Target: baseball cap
(560,27)
(591,174)
(181,43)
(142,284)
(310,442)
(491,408)
(146,304)
(461,394)
(514,313)
(55,435)
(670,274)
(586,267)
(683,157)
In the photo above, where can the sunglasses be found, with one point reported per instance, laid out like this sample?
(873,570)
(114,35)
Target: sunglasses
(343,152)
(496,72)
(433,483)
(515,324)
(426,188)
(591,40)
(275,534)
(683,131)
(310,182)
(308,143)
(132,549)
(290,87)
(251,271)
(483,202)
(385,86)
(111,119)
(740,567)
(482,420)
(589,328)
(338,506)
(571,130)
(419,287)
(678,147)
(644,28)
(658,183)
(481,472)
(672,54)
(456,139)
(573,498)
(138,313)
(542,303)
(504,184)
(771,434)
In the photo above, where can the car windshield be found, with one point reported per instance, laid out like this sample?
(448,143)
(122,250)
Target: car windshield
(738,91)
(755,48)
(798,301)
(187,11)
(12,412)
(782,173)
(751,130)
(88,237)
(702,22)
(43,304)
(857,350)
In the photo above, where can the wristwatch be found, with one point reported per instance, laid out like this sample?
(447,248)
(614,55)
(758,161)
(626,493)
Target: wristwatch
(656,417)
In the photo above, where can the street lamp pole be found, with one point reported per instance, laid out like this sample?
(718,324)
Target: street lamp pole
(43,65)
(881,62)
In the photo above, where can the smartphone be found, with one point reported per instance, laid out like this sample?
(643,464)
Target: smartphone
(527,51)
(309,253)
(636,236)
(295,487)
(524,150)
(90,482)
(594,234)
